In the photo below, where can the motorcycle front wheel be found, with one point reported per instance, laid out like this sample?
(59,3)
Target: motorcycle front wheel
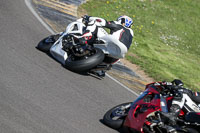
(45,44)
(115,117)
(85,63)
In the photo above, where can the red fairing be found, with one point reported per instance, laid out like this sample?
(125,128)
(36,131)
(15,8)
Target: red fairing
(135,119)
(198,113)
(181,113)
(149,85)
(154,83)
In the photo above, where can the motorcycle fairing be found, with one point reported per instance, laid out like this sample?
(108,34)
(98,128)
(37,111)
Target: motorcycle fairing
(56,50)
(58,53)
(141,108)
(112,46)
(76,27)
(189,104)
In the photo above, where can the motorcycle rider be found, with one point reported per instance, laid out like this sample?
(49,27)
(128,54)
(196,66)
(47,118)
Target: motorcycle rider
(120,32)
(176,86)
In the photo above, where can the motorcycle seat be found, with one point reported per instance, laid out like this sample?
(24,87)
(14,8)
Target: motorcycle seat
(196,97)
(193,117)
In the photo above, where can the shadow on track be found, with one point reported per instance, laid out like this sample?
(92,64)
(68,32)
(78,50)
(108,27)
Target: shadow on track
(121,130)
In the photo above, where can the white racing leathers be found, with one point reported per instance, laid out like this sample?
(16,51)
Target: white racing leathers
(117,43)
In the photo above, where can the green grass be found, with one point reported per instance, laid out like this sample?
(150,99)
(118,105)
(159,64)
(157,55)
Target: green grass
(167,40)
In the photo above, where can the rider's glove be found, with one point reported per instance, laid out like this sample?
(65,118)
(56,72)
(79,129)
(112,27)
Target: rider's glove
(86,19)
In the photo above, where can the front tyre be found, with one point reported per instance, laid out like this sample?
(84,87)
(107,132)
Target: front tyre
(85,63)
(47,42)
(115,117)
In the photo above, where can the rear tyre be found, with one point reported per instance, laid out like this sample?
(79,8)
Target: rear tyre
(86,63)
(47,42)
(115,117)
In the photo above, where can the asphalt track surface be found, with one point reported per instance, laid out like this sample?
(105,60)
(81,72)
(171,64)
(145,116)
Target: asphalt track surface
(38,95)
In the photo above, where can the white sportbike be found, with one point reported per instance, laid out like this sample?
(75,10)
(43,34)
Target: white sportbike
(66,49)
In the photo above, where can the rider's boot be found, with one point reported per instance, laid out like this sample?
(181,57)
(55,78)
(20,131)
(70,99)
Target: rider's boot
(100,73)
(104,66)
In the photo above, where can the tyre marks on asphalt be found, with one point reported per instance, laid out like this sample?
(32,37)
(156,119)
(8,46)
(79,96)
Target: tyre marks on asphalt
(55,13)
(59,6)
(132,82)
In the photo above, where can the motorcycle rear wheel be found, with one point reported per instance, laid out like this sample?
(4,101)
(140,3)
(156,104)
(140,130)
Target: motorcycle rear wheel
(115,117)
(87,63)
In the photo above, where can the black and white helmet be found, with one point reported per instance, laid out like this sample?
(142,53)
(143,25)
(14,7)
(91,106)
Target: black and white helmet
(125,19)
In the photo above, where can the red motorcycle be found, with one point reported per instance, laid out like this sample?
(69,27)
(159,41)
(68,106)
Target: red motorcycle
(145,113)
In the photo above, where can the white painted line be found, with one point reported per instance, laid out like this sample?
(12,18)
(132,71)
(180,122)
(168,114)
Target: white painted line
(122,85)
(28,3)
